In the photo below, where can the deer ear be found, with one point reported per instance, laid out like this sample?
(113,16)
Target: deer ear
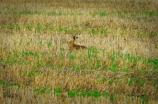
(74,38)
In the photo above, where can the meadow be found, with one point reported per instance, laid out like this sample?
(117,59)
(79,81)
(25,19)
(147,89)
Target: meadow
(119,66)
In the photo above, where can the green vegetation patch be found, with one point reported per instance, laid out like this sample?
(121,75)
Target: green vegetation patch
(90,30)
(6,84)
(29,12)
(43,90)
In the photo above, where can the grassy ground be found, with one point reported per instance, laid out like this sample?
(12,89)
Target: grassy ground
(120,64)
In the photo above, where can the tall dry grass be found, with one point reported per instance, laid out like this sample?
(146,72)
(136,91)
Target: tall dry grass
(119,66)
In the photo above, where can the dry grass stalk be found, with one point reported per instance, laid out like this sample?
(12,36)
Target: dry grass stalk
(36,34)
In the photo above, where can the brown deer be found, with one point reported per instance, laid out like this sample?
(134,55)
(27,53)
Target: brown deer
(74,46)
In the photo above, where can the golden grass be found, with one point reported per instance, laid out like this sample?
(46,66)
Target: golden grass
(118,66)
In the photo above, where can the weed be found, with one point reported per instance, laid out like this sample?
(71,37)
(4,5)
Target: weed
(42,90)
(112,98)
(77,68)
(11,26)
(49,45)
(38,27)
(73,93)
(32,74)
(96,94)
(105,32)
(51,13)
(86,93)
(58,92)
(49,27)
(102,14)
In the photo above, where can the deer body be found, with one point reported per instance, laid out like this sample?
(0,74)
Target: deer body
(74,46)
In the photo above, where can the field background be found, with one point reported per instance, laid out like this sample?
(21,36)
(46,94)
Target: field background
(119,66)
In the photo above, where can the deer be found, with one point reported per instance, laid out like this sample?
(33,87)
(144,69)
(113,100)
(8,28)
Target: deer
(74,46)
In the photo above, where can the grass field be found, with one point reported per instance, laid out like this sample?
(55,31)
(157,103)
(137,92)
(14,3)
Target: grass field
(119,66)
